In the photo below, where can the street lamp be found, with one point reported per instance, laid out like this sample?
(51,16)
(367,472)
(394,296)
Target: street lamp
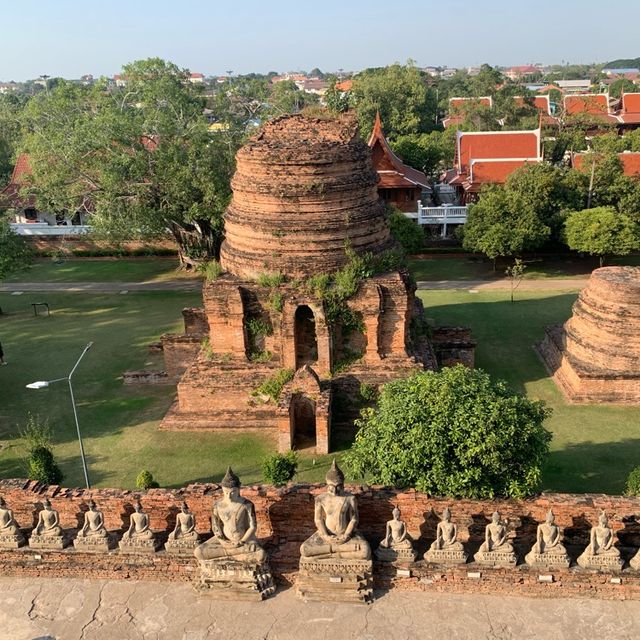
(43,384)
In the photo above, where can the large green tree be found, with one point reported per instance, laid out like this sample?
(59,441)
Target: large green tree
(11,106)
(452,433)
(14,252)
(429,152)
(602,232)
(401,94)
(140,158)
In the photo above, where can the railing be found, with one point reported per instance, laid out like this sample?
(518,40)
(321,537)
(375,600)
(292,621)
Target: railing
(44,229)
(442,215)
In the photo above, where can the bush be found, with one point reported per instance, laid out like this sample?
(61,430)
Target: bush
(408,234)
(43,468)
(632,487)
(144,481)
(211,270)
(41,465)
(454,433)
(280,468)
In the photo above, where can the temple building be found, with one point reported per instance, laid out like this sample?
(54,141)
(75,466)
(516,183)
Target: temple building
(10,197)
(276,349)
(595,105)
(399,185)
(630,161)
(629,114)
(489,157)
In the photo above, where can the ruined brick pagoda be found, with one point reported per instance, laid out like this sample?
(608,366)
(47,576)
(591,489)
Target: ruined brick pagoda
(304,204)
(595,355)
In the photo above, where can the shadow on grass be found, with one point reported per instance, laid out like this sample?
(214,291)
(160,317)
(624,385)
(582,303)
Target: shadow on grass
(588,467)
(505,331)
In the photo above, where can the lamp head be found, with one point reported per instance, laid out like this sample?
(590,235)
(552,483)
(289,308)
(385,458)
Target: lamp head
(40,384)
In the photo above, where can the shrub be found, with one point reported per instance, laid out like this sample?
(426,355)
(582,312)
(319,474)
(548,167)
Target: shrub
(270,279)
(42,467)
(211,270)
(407,233)
(280,468)
(632,487)
(144,481)
(273,385)
(454,432)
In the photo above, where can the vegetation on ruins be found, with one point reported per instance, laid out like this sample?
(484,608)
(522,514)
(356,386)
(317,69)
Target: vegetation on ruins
(273,385)
(280,468)
(632,487)
(406,232)
(41,465)
(602,232)
(211,270)
(144,481)
(15,254)
(456,433)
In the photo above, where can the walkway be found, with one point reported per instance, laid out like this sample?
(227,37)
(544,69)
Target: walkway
(543,284)
(68,609)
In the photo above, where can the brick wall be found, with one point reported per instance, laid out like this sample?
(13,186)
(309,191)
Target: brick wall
(285,520)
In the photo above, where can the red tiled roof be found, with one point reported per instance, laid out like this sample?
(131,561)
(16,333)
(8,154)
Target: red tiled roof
(549,87)
(11,192)
(591,103)
(630,162)
(345,85)
(494,171)
(488,145)
(541,103)
(456,103)
(196,75)
(386,162)
(630,103)
(524,68)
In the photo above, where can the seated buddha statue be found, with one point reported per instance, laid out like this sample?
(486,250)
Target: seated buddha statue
(8,524)
(48,521)
(138,525)
(93,526)
(446,534)
(185,528)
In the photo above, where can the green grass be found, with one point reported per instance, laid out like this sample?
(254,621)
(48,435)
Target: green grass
(103,270)
(119,423)
(594,446)
(478,268)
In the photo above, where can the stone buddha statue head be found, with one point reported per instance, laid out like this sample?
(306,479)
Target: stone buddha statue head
(603,520)
(549,518)
(495,518)
(446,514)
(137,505)
(334,479)
(396,513)
(230,485)
(92,505)
(46,503)
(184,507)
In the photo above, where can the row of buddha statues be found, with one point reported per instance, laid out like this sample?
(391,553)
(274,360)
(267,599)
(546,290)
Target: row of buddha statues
(335,553)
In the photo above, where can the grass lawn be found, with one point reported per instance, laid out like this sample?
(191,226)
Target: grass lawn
(594,446)
(119,423)
(593,449)
(478,268)
(155,269)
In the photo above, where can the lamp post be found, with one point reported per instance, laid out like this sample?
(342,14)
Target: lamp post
(43,384)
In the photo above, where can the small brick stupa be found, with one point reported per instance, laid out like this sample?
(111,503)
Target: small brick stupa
(595,355)
(279,352)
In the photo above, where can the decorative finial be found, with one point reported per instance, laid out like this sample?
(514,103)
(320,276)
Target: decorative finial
(230,480)
(334,475)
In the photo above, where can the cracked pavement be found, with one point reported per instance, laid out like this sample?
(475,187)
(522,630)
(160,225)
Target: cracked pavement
(66,609)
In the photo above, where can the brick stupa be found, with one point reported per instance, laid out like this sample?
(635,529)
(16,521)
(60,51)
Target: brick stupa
(595,355)
(304,198)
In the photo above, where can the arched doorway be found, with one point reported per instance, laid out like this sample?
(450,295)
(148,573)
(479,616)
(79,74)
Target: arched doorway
(303,416)
(306,341)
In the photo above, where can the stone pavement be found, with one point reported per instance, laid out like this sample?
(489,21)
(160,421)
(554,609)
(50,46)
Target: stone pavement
(65,609)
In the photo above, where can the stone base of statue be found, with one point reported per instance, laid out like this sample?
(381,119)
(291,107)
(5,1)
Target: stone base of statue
(181,547)
(389,554)
(559,560)
(37,541)
(12,541)
(235,580)
(446,556)
(634,563)
(505,558)
(335,580)
(136,545)
(600,562)
(92,544)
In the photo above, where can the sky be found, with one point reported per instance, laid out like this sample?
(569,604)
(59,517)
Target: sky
(71,38)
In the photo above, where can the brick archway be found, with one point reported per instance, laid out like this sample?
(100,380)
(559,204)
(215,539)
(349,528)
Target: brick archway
(305,337)
(303,418)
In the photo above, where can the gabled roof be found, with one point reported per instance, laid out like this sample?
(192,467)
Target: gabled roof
(345,85)
(11,192)
(591,103)
(630,162)
(495,171)
(471,145)
(630,103)
(391,170)
(541,103)
(455,103)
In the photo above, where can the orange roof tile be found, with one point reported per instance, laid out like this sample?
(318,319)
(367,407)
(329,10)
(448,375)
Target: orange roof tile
(456,103)
(495,145)
(591,103)
(630,103)
(541,103)
(345,85)
(495,171)
(630,162)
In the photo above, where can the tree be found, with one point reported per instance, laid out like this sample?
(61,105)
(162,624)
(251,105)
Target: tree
(285,97)
(620,86)
(41,465)
(407,232)
(139,158)
(428,152)
(515,273)
(497,230)
(15,254)
(400,93)
(602,231)
(11,106)
(454,433)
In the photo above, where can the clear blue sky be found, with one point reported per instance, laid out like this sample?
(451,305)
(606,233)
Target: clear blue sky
(70,38)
